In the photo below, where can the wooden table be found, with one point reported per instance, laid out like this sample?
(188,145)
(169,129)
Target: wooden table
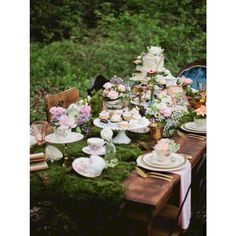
(152,194)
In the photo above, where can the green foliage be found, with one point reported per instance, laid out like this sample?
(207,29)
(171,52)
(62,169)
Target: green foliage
(101,37)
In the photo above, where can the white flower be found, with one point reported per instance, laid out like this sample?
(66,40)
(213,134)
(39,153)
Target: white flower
(107,85)
(106,133)
(121,88)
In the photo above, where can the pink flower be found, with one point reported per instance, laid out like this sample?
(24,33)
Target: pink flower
(162,145)
(201,111)
(151,71)
(67,121)
(166,111)
(107,85)
(56,112)
(113,95)
(85,110)
(186,81)
(121,88)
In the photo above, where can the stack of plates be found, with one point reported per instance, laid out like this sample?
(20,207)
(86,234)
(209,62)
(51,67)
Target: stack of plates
(148,162)
(191,127)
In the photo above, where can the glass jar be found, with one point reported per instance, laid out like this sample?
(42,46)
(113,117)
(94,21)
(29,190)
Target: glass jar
(110,156)
(156,130)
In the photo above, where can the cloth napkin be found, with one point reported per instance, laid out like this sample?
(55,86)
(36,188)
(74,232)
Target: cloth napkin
(185,181)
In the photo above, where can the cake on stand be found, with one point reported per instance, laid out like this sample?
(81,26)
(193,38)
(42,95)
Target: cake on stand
(121,137)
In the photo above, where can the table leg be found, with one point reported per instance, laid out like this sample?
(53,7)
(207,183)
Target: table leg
(65,163)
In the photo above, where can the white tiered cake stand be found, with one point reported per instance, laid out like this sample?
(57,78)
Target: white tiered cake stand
(71,138)
(121,137)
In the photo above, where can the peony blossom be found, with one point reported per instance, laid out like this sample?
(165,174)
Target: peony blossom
(162,145)
(121,88)
(107,85)
(151,71)
(185,81)
(67,121)
(166,144)
(201,111)
(166,111)
(113,95)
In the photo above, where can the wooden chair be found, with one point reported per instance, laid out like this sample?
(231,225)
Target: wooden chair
(97,84)
(63,99)
(195,71)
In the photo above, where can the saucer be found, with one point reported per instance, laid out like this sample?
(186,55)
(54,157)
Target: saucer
(80,165)
(100,152)
(178,160)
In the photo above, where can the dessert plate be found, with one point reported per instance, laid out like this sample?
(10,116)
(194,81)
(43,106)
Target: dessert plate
(80,165)
(183,127)
(100,152)
(178,160)
(193,126)
(145,166)
(72,137)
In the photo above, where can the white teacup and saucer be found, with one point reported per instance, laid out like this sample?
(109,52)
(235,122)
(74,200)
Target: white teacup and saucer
(89,167)
(95,147)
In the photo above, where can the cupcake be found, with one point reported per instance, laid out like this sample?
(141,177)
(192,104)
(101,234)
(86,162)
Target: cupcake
(115,118)
(104,115)
(127,115)
(136,116)
(123,124)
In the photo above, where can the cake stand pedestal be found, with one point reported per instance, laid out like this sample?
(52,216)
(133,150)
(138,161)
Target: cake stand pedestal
(121,137)
(70,138)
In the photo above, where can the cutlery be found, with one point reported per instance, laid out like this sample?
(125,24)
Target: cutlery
(196,136)
(141,173)
(188,157)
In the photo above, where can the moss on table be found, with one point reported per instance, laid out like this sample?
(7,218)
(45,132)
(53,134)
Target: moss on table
(79,198)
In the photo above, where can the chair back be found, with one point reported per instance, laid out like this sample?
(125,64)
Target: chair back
(98,82)
(195,71)
(63,99)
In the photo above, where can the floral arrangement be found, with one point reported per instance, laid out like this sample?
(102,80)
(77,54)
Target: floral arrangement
(167,145)
(76,115)
(200,112)
(115,89)
(164,108)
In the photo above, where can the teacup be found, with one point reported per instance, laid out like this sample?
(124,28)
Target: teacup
(95,144)
(163,156)
(52,153)
(96,164)
(62,132)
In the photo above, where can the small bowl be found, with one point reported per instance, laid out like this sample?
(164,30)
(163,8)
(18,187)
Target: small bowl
(52,153)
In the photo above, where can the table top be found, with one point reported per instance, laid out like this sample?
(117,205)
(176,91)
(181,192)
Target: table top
(152,191)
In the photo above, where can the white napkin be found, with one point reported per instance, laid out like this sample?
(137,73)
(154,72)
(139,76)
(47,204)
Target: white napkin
(185,181)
